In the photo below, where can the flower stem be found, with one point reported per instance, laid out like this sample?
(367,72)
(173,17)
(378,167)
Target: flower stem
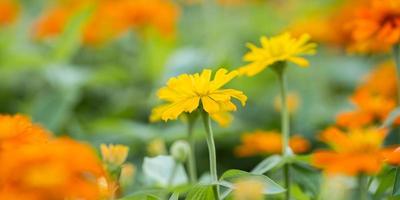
(192,154)
(211,150)
(280,70)
(396,55)
(363,187)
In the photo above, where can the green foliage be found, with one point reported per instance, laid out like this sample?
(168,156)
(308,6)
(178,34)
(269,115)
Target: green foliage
(208,192)
(270,187)
(267,164)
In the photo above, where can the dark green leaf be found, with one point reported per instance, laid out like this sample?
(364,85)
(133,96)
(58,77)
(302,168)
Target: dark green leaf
(207,192)
(307,178)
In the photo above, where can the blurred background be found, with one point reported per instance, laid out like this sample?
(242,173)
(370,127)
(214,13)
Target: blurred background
(90,69)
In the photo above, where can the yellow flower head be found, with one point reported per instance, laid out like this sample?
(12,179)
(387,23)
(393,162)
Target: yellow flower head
(279,48)
(114,154)
(156,147)
(248,189)
(187,92)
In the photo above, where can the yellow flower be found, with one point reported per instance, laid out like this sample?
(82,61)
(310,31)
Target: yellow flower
(156,147)
(222,118)
(114,154)
(187,92)
(279,48)
(248,189)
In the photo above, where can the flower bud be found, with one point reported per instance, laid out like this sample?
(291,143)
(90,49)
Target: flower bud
(180,150)
(114,154)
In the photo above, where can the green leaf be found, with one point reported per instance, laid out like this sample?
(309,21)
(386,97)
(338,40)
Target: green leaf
(298,194)
(270,187)
(307,178)
(396,186)
(206,192)
(385,183)
(267,164)
(53,107)
(145,195)
(160,169)
(174,196)
(391,118)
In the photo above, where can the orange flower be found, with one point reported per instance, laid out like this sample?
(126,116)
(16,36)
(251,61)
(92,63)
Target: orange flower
(392,156)
(268,142)
(354,119)
(59,169)
(18,130)
(109,19)
(9,10)
(375,26)
(374,99)
(353,152)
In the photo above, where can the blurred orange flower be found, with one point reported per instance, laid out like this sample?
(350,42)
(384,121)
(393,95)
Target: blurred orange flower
(374,99)
(109,19)
(354,151)
(375,26)
(392,156)
(9,10)
(354,119)
(59,169)
(268,142)
(18,130)
(319,24)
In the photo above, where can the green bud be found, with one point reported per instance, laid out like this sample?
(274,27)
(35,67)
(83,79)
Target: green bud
(180,150)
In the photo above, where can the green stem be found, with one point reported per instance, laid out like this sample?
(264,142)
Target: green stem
(396,55)
(280,70)
(395,191)
(211,150)
(192,154)
(363,187)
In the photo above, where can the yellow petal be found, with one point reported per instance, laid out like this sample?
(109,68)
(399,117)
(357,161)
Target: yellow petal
(299,61)
(209,105)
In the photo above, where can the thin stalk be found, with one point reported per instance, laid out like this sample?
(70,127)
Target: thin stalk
(192,153)
(363,187)
(280,70)
(395,191)
(211,150)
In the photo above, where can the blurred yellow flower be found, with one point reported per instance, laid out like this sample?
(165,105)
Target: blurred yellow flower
(187,92)
(114,154)
(248,189)
(156,147)
(279,48)
(293,102)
